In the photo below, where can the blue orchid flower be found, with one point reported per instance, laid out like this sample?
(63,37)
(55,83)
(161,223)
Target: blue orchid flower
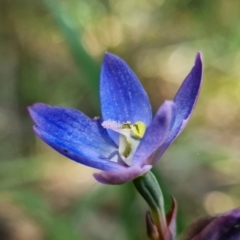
(126,142)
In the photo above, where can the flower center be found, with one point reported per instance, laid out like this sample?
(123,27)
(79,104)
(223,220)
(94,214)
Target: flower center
(129,137)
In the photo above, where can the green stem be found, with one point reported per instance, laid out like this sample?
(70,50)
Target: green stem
(150,190)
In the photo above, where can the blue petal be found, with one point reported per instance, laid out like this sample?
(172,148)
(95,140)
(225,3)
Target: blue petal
(79,153)
(70,130)
(122,95)
(155,133)
(185,101)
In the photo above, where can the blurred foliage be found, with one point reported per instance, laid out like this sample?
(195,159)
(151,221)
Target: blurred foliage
(51,51)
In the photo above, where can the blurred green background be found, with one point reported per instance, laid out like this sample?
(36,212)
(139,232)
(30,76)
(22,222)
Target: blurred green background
(51,52)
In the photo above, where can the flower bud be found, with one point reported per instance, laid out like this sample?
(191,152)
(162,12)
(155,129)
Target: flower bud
(221,227)
(152,230)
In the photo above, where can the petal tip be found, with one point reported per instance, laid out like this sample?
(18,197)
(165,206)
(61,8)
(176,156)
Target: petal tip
(169,104)
(112,59)
(109,57)
(199,54)
(107,54)
(35,108)
(30,109)
(199,59)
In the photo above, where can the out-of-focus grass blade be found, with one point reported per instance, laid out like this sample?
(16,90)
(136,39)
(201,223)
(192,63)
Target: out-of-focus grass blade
(86,63)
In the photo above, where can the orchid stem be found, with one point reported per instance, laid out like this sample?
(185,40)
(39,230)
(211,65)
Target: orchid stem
(150,190)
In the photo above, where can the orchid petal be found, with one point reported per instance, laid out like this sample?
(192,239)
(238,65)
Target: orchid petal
(79,153)
(185,101)
(123,98)
(72,129)
(155,133)
(121,176)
